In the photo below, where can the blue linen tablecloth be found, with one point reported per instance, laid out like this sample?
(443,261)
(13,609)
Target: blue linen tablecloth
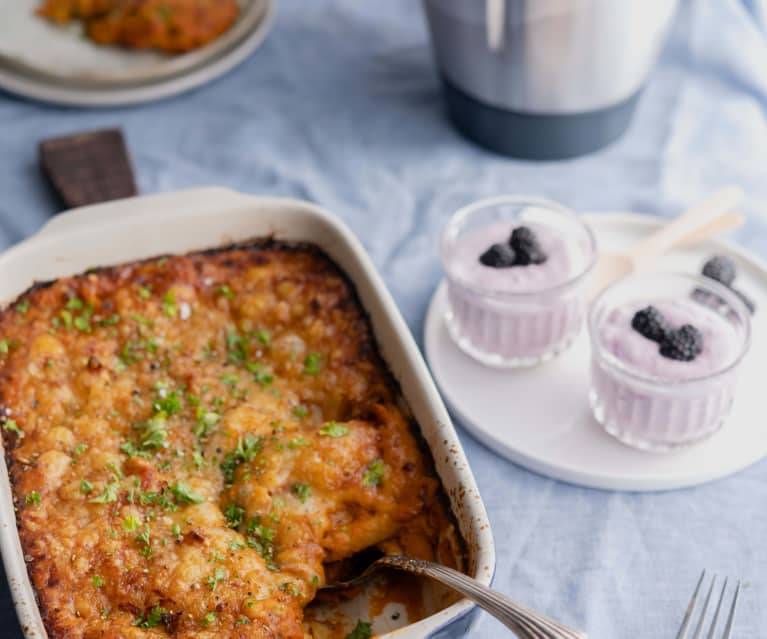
(342,106)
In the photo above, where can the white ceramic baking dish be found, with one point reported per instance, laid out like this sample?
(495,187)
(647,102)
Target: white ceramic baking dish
(141,227)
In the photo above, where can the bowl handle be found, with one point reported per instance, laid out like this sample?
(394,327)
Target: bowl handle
(193,200)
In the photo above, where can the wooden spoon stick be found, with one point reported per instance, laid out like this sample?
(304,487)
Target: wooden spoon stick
(726,222)
(698,216)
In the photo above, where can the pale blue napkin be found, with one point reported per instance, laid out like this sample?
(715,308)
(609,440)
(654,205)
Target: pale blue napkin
(342,106)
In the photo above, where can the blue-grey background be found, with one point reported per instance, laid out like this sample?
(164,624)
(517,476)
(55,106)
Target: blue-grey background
(342,106)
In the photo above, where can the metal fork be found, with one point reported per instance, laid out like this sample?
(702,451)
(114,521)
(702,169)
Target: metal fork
(701,622)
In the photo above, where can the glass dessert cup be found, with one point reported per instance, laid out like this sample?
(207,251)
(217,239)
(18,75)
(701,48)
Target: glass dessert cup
(664,404)
(523,315)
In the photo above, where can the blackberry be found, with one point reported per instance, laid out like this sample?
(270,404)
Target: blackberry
(721,269)
(526,247)
(684,344)
(650,323)
(750,305)
(498,256)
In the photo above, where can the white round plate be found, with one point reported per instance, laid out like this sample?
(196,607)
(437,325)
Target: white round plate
(64,54)
(108,76)
(540,417)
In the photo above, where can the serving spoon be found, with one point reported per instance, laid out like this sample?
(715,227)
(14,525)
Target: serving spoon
(706,219)
(525,623)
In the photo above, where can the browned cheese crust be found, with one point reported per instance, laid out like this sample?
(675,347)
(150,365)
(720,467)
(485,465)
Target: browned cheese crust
(191,439)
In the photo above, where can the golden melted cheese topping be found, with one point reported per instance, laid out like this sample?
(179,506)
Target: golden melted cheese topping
(193,439)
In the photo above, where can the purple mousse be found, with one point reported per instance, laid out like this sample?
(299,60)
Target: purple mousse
(664,369)
(515,268)
(716,341)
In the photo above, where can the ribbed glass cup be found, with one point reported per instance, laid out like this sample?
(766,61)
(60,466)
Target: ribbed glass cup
(505,329)
(659,414)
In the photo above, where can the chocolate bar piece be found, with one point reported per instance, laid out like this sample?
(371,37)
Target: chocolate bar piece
(88,168)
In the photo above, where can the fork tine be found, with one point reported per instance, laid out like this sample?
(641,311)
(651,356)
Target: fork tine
(731,618)
(715,620)
(682,634)
(699,628)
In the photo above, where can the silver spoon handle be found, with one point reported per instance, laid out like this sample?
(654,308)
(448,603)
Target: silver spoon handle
(524,622)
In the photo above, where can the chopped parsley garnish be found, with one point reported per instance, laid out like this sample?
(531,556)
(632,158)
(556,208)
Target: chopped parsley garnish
(144,292)
(169,303)
(136,350)
(168,403)
(234,514)
(290,588)
(142,319)
(300,411)
(176,530)
(155,617)
(374,473)
(363,630)
(264,337)
(297,442)
(5,346)
(32,498)
(230,379)
(155,432)
(109,321)
(131,523)
(332,429)
(219,574)
(312,364)
(12,427)
(98,581)
(205,421)
(82,324)
(260,376)
(184,494)
(238,349)
(85,486)
(208,619)
(261,539)
(144,539)
(302,491)
(199,460)
(118,474)
(242,621)
(226,292)
(79,449)
(247,448)
(22,307)
(66,317)
(74,304)
(130,449)
(109,495)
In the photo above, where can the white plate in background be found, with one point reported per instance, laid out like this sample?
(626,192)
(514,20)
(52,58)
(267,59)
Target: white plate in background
(540,418)
(16,78)
(63,53)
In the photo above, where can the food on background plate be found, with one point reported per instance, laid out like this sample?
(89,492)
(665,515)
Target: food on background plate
(665,362)
(172,26)
(194,439)
(514,271)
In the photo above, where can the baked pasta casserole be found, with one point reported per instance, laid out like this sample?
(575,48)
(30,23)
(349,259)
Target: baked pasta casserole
(197,443)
